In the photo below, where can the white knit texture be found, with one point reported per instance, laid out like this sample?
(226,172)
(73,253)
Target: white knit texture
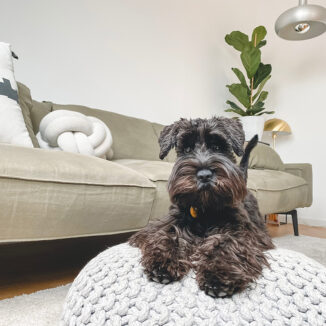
(113,290)
(75,132)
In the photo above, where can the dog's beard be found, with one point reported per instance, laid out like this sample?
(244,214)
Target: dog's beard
(226,188)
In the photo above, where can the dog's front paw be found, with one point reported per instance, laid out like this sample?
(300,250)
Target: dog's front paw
(212,286)
(160,275)
(165,272)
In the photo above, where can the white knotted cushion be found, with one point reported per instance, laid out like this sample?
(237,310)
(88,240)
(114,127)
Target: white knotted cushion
(113,290)
(75,132)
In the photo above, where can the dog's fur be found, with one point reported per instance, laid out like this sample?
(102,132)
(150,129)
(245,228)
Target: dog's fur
(225,243)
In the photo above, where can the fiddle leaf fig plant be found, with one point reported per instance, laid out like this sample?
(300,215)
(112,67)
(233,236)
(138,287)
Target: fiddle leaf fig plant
(249,92)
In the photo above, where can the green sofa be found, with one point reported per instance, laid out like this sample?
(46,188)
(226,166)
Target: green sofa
(51,195)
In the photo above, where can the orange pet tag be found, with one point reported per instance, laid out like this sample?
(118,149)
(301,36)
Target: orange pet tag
(193,212)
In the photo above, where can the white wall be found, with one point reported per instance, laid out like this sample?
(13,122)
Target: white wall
(162,59)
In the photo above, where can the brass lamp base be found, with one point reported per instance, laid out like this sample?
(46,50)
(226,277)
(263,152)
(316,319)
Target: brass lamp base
(277,127)
(274,135)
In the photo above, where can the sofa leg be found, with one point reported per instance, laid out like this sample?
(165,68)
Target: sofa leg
(294,215)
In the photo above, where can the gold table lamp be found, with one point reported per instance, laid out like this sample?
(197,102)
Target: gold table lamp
(277,127)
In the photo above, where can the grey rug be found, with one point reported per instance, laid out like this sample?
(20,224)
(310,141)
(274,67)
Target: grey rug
(314,248)
(44,308)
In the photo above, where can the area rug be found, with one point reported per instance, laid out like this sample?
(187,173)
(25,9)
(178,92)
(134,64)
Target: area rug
(314,248)
(43,308)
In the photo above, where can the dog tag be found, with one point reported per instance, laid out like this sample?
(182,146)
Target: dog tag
(193,211)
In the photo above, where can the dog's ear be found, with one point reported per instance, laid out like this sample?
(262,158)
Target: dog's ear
(168,139)
(237,135)
(245,158)
(234,131)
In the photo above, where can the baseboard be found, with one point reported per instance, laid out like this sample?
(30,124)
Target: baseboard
(304,220)
(310,221)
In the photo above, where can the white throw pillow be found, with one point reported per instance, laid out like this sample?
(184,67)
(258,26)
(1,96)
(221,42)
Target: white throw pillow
(75,132)
(12,125)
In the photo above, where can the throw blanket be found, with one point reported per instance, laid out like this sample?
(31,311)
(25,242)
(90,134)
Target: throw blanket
(113,290)
(74,132)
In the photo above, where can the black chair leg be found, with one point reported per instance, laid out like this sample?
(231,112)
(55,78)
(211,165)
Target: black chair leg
(294,215)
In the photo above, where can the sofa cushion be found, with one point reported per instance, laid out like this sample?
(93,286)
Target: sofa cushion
(159,173)
(265,157)
(153,170)
(64,167)
(273,180)
(50,194)
(132,137)
(277,191)
(25,102)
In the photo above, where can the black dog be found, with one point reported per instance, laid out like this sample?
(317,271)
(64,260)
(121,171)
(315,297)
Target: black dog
(214,225)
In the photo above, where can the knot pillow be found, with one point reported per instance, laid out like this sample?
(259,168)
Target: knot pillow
(75,132)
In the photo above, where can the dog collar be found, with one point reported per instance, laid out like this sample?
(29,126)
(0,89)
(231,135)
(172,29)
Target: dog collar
(193,211)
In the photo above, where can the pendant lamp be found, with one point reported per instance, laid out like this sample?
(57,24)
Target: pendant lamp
(302,22)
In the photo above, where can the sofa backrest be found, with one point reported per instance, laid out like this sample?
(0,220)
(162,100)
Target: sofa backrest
(135,138)
(264,157)
(38,111)
(132,137)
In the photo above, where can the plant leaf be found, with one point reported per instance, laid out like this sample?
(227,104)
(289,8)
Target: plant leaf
(237,39)
(262,96)
(241,77)
(261,44)
(240,92)
(261,86)
(250,58)
(257,111)
(266,112)
(235,108)
(242,113)
(258,105)
(262,72)
(234,105)
(256,108)
(258,35)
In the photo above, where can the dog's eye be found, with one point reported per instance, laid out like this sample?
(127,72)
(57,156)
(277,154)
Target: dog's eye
(187,150)
(215,147)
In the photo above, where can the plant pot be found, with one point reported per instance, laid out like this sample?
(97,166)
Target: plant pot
(253,125)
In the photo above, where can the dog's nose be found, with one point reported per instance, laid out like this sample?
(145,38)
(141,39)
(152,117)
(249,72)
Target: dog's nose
(204,175)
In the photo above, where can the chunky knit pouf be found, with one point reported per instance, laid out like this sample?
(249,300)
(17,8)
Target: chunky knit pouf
(113,290)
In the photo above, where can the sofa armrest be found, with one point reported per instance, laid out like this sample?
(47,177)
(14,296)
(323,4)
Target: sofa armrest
(303,170)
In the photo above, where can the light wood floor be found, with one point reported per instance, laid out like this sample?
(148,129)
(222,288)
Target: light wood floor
(34,266)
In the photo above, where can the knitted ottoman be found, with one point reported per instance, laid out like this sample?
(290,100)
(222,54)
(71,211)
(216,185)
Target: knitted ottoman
(113,290)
